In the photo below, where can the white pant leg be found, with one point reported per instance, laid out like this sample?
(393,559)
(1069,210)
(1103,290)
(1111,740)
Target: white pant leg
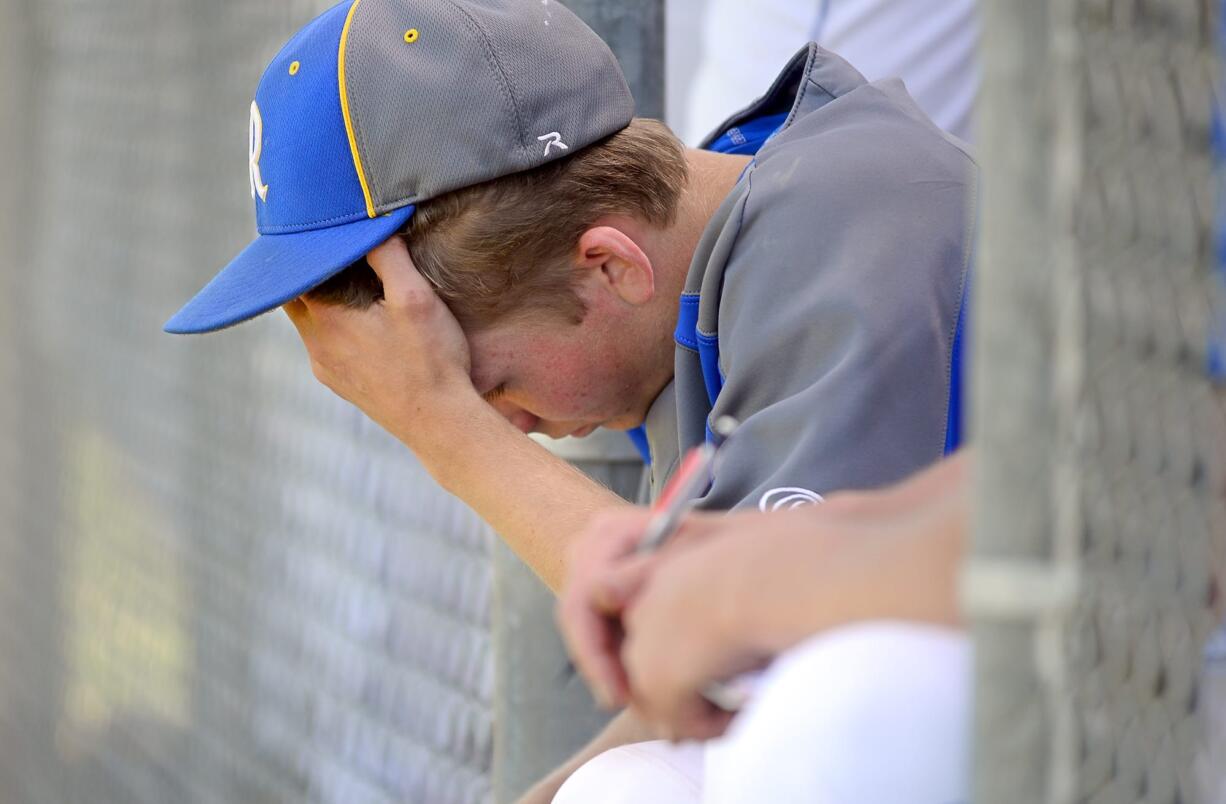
(656,772)
(868,714)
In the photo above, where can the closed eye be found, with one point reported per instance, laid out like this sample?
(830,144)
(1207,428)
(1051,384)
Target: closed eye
(495,393)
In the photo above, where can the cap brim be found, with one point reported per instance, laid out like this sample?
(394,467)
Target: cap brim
(279,267)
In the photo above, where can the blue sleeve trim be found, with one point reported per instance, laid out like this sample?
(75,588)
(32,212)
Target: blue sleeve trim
(708,358)
(953,419)
(707,346)
(638,437)
(687,322)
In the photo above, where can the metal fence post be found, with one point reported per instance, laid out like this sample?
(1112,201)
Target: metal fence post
(1101,442)
(542,714)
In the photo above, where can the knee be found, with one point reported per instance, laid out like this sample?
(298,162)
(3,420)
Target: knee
(877,712)
(641,773)
(866,681)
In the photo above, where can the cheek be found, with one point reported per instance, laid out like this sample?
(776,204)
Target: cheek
(566,382)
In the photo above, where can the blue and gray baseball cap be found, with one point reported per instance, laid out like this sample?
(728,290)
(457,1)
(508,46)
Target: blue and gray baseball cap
(377,105)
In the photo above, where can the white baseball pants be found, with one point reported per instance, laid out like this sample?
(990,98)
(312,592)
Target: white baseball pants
(871,714)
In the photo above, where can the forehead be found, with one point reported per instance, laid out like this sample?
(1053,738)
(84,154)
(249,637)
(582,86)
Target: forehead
(527,342)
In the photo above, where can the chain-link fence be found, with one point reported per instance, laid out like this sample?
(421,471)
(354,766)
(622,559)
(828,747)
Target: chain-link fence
(1102,442)
(218,582)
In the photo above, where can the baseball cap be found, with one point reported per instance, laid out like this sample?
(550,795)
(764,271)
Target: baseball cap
(377,105)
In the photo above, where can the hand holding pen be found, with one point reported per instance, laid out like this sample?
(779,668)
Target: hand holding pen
(693,477)
(610,565)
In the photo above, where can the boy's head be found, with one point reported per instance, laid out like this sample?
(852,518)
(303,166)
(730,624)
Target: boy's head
(378,107)
(508,246)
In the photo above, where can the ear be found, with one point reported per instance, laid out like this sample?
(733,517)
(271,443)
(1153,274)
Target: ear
(612,258)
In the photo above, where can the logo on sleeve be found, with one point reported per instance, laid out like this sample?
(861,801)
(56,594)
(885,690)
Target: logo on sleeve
(256,142)
(786,498)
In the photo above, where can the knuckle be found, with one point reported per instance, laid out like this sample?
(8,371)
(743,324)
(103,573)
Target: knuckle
(416,301)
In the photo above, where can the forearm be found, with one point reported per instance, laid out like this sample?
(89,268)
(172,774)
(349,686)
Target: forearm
(904,568)
(892,584)
(534,500)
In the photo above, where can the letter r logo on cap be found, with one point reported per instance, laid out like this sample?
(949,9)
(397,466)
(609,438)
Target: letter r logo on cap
(253,160)
(553,140)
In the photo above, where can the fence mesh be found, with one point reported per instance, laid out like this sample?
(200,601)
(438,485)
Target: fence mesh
(1103,442)
(217,581)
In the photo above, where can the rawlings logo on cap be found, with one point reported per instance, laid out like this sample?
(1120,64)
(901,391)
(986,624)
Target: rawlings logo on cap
(551,139)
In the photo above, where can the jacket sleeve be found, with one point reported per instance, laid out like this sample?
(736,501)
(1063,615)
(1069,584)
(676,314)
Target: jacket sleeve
(837,314)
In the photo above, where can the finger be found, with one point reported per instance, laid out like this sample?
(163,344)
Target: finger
(319,312)
(697,719)
(606,671)
(609,535)
(694,719)
(658,727)
(594,642)
(295,308)
(401,280)
(594,638)
(613,591)
(326,322)
(299,316)
(599,631)
(673,711)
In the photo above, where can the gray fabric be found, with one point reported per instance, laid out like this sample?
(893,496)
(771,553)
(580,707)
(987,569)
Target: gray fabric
(542,713)
(832,276)
(469,99)
(662,442)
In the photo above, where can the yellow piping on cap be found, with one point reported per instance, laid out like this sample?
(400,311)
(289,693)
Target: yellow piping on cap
(353,142)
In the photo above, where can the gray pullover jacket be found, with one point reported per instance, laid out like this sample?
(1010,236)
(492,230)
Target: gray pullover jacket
(821,305)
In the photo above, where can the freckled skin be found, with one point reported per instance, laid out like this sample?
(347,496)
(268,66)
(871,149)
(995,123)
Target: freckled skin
(562,378)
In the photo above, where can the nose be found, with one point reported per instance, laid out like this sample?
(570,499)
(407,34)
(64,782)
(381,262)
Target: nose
(524,421)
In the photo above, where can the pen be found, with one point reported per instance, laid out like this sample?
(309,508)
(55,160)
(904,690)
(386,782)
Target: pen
(691,479)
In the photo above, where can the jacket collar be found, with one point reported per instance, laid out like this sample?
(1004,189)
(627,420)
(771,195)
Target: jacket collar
(811,79)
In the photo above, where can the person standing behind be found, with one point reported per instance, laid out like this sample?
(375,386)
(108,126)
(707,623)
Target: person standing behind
(930,46)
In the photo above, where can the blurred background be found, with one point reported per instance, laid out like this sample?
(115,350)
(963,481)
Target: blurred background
(220,583)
